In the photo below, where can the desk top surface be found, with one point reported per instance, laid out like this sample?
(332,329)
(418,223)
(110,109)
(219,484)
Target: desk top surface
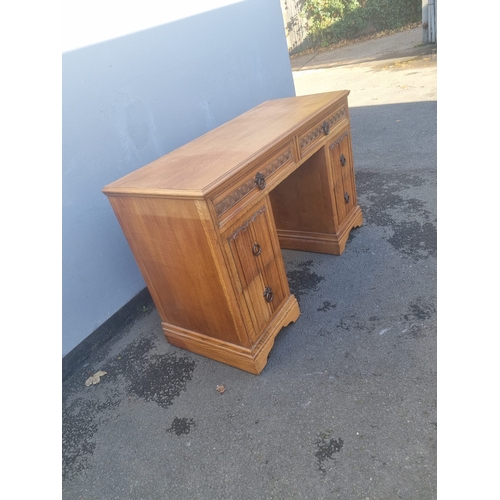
(197,167)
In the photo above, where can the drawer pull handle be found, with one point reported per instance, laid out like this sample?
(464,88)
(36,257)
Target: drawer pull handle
(256,249)
(346,197)
(260,180)
(268,294)
(326,127)
(342,160)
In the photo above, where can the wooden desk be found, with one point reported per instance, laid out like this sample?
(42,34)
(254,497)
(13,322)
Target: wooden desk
(206,222)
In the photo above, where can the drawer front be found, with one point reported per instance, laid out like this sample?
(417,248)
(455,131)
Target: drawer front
(252,247)
(249,186)
(320,129)
(344,186)
(260,271)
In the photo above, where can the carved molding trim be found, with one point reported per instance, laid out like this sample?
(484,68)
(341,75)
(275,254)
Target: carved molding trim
(233,198)
(246,224)
(339,140)
(318,131)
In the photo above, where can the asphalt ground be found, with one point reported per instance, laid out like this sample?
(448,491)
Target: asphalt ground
(346,406)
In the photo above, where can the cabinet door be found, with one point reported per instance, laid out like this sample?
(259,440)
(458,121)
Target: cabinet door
(344,186)
(257,257)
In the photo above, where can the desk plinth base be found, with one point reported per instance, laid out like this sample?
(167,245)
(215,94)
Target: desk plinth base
(251,360)
(321,242)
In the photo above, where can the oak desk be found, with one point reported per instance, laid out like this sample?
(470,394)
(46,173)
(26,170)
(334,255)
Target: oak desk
(206,222)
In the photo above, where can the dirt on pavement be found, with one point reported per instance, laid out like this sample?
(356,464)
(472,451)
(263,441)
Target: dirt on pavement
(405,45)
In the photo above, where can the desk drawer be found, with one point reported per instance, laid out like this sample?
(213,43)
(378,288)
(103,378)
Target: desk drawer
(320,129)
(247,187)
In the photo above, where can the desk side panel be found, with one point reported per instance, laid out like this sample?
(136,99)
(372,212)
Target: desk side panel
(181,265)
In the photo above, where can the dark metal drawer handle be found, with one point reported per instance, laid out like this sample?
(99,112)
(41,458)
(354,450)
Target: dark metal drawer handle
(268,294)
(342,160)
(260,180)
(346,197)
(256,249)
(326,127)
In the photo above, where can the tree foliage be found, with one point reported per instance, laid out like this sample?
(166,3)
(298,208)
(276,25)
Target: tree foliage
(330,21)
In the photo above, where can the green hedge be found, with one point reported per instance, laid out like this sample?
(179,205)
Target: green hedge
(332,21)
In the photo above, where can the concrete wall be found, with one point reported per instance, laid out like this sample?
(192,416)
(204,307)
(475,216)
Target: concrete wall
(132,97)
